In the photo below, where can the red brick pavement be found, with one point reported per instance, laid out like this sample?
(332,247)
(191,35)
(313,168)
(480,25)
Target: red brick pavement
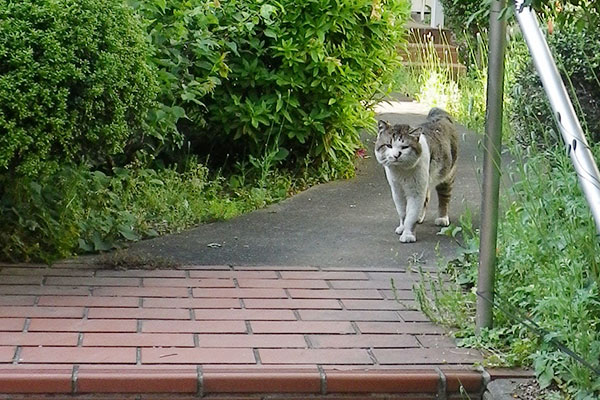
(209,330)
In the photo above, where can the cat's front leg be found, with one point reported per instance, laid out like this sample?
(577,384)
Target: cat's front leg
(424,210)
(414,207)
(400,203)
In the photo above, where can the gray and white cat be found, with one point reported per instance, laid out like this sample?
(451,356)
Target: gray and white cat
(416,159)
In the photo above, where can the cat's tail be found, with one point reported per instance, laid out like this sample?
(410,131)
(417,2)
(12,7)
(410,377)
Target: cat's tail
(436,114)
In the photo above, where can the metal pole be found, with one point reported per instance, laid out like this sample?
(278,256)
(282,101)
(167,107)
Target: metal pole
(570,128)
(491,167)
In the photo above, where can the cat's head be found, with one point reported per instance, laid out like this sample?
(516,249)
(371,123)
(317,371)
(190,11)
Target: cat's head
(397,145)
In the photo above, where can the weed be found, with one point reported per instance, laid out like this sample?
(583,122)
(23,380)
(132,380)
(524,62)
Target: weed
(415,259)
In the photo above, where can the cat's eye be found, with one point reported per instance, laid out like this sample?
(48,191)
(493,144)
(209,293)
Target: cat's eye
(404,147)
(389,146)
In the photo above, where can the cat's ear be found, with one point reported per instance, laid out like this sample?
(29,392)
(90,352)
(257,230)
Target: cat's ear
(416,132)
(382,126)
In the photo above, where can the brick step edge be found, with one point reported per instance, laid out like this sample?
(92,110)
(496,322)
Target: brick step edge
(432,383)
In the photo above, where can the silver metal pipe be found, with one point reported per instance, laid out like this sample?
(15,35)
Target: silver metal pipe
(491,167)
(570,128)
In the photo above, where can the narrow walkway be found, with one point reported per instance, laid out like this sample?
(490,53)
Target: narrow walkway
(310,298)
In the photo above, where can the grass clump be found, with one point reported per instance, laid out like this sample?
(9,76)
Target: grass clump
(78,209)
(435,83)
(547,278)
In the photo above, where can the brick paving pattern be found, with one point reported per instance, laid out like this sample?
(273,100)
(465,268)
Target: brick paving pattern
(153,329)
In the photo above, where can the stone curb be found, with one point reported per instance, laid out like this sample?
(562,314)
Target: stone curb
(82,382)
(502,389)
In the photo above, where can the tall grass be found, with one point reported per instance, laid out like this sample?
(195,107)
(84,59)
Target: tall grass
(432,81)
(548,252)
(77,209)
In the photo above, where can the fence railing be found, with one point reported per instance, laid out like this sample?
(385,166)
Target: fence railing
(433,8)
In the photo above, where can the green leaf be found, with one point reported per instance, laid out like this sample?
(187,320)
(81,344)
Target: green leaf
(36,187)
(281,154)
(233,47)
(270,33)
(99,244)
(266,10)
(152,233)
(546,377)
(178,112)
(85,246)
(128,233)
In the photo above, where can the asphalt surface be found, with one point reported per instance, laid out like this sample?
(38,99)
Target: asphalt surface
(342,223)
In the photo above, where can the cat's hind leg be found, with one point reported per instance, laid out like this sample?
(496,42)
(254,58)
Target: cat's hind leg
(444,190)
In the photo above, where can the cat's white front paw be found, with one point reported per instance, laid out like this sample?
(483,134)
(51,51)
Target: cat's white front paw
(399,229)
(408,238)
(442,221)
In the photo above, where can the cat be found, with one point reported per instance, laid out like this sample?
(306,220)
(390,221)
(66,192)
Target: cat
(414,160)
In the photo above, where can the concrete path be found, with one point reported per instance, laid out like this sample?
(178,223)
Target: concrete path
(343,223)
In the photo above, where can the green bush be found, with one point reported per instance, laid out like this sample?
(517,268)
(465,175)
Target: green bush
(548,264)
(302,75)
(577,53)
(74,82)
(549,269)
(466,19)
(293,78)
(189,54)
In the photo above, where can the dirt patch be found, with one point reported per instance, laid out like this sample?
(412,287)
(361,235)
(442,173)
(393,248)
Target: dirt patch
(124,260)
(530,390)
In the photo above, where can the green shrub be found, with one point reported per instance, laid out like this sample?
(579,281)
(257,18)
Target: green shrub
(577,53)
(302,75)
(576,13)
(74,82)
(189,53)
(465,15)
(548,264)
(548,270)
(259,76)
(466,19)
